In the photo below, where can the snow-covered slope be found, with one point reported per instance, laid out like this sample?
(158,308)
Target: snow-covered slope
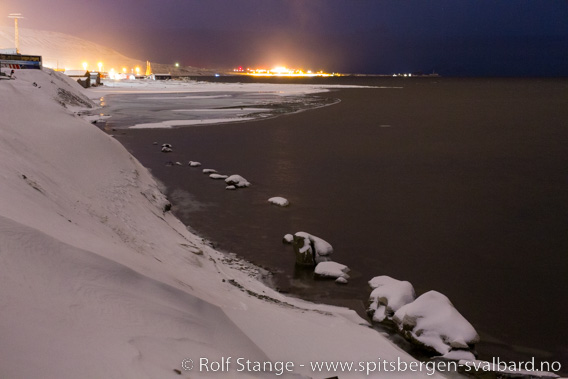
(98,281)
(65,51)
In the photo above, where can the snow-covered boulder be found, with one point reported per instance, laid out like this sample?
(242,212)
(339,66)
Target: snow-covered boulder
(231,188)
(280,201)
(311,250)
(388,296)
(288,238)
(458,355)
(331,269)
(217,176)
(167,148)
(237,181)
(432,321)
(209,171)
(341,280)
(194,164)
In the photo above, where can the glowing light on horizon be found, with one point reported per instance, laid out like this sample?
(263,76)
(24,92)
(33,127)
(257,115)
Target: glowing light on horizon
(282,71)
(85,65)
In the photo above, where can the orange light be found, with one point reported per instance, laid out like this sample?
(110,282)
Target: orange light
(287,72)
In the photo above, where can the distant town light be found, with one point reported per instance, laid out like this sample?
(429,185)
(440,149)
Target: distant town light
(284,71)
(100,64)
(85,65)
(177,64)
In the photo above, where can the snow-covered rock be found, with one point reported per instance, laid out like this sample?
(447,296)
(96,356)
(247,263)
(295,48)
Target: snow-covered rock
(280,201)
(341,280)
(217,176)
(209,171)
(230,188)
(388,296)
(331,269)
(194,164)
(288,238)
(167,148)
(433,321)
(237,181)
(311,250)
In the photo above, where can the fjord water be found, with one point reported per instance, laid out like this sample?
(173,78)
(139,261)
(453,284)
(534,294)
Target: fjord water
(456,185)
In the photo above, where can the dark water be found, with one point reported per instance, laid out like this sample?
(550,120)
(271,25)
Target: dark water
(456,185)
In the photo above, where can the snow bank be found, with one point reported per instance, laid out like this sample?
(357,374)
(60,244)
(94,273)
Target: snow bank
(99,280)
(388,296)
(280,201)
(433,321)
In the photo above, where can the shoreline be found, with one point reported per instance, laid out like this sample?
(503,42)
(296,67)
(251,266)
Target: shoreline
(316,300)
(91,253)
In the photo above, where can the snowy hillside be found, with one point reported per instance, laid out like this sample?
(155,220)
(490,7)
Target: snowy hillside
(99,281)
(63,50)
(69,52)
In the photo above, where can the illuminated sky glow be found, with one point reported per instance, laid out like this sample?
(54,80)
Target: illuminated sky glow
(466,37)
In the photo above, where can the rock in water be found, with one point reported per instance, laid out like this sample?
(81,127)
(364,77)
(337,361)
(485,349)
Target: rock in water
(303,250)
(310,250)
(217,176)
(388,296)
(331,269)
(280,201)
(237,181)
(432,321)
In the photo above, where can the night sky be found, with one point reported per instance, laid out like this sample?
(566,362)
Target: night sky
(450,37)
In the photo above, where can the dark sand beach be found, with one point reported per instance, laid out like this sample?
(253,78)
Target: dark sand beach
(456,185)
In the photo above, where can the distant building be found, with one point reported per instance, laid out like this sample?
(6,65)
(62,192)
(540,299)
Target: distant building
(162,76)
(19,61)
(95,78)
(82,77)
